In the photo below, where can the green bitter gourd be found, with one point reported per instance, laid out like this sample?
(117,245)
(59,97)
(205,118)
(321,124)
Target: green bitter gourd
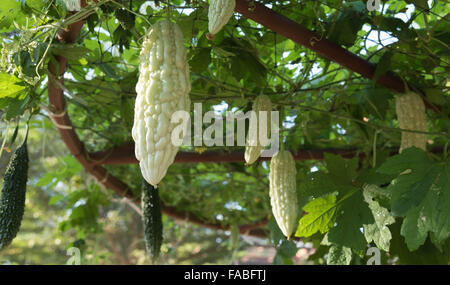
(151,217)
(12,201)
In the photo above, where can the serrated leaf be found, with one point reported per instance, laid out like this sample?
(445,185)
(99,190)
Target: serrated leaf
(439,205)
(374,178)
(339,255)
(9,85)
(432,215)
(421,195)
(411,158)
(353,213)
(414,229)
(409,190)
(378,231)
(426,254)
(320,216)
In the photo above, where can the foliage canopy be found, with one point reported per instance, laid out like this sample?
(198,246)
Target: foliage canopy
(348,204)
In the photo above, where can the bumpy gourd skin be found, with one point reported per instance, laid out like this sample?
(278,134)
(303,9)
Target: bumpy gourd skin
(125,18)
(151,217)
(411,116)
(283,191)
(73,5)
(219,13)
(162,89)
(253,147)
(12,202)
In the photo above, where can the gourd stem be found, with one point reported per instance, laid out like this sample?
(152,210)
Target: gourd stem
(407,90)
(281,136)
(27,130)
(374,147)
(168,10)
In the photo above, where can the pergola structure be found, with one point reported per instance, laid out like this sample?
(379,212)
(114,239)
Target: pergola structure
(93,162)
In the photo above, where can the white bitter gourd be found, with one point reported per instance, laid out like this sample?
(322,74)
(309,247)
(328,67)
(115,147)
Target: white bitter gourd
(162,89)
(283,191)
(73,5)
(411,116)
(219,13)
(253,147)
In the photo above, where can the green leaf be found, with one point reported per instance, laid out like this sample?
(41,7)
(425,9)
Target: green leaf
(435,96)
(72,165)
(432,215)
(420,4)
(55,199)
(414,229)
(108,70)
(373,101)
(46,179)
(394,25)
(318,184)
(349,21)
(438,205)
(370,176)
(200,60)
(287,249)
(127,110)
(410,190)
(276,235)
(426,254)
(341,171)
(339,178)
(70,51)
(282,260)
(411,158)
(353,213)
(245,64)
(421,195)
(320,217)
(17,107)
(285,252)
(383,66)
(9,10)
(378,231)
(339,255)
(9,85)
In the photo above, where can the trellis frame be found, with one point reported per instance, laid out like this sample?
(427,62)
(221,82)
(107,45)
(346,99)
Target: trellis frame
(257,12)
